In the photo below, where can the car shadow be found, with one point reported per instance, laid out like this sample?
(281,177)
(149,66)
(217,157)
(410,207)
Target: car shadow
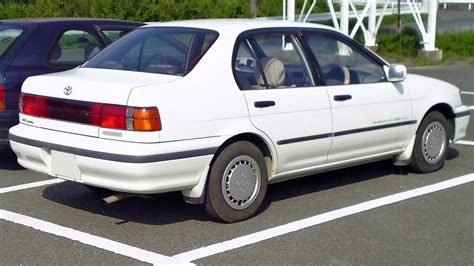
(8,161)
(338,178)
(452,154)
(167,208)
(170,208)
(333,179)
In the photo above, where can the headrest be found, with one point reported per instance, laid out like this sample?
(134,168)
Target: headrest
(274,72)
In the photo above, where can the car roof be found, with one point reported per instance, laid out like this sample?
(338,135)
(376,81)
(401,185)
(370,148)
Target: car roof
(237,25)
(65,19)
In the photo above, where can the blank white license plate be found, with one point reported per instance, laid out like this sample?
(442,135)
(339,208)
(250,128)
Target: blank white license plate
(64,165)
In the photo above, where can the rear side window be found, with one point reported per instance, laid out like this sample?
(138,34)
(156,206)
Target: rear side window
(277,61)
(8,36)
(172,51)
(74,47)
(113,35)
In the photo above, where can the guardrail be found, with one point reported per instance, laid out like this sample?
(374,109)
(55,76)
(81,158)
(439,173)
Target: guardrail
(446,2)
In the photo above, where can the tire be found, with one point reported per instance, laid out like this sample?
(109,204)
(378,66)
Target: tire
(237,183)
(431,144)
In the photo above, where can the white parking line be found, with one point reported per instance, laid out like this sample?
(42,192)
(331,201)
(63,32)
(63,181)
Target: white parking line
(319,219)
(465,142)
(30,185)
(88,239)
(467,92)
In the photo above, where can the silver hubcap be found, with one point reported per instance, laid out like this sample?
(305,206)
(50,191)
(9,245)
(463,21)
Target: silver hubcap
(241,182)
(434,142)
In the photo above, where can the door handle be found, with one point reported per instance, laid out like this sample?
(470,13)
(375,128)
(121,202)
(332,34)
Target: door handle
(344,97)
(263,104)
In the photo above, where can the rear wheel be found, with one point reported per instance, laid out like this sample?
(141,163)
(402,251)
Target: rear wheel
(237,183)
(431,143)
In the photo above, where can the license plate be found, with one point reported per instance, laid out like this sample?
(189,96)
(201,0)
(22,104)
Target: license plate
(64,165)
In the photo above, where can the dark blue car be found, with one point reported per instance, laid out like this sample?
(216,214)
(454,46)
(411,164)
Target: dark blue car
(31,47)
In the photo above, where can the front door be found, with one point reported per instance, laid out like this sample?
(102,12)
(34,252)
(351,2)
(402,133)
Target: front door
(371,116)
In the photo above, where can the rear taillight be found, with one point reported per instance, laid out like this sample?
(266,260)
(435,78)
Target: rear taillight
(144,118)
(98,114)
(113,116)
(2,97)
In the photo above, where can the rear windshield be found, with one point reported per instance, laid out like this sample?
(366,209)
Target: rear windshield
(8,35)
(164,50)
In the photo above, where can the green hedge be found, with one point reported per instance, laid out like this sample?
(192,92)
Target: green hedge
(405,44)
(142,10)
(455,45)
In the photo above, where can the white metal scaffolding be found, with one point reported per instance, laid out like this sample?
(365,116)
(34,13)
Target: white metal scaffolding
(374,10)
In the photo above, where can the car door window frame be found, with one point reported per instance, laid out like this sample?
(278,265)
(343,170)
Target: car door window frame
(100,28)
(255,49)
(60,34)
(16,38)
(356,46)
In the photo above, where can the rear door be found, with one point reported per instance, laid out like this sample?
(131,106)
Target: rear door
(283,100)
(13,37)
(371,116)
(53,48)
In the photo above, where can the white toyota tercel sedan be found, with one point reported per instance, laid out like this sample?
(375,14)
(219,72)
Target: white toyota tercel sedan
(219,109)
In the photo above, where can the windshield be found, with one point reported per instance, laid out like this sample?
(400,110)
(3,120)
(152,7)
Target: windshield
(8,35)
(164,50)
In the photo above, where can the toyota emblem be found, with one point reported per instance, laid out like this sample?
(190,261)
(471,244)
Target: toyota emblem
(67,90)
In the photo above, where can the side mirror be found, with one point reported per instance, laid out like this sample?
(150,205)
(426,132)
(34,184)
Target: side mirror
(397,73)
(246,64)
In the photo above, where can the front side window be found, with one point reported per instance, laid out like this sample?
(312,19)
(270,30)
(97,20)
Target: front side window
(269,61)
(8,35)
(74,47)
(341,64)
(172,51)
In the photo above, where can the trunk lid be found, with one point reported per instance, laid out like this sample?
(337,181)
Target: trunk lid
(92,85)
(87,85)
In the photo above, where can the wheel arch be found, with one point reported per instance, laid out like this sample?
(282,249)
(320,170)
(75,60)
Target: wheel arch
(197,194)
(255,139)
(448,112)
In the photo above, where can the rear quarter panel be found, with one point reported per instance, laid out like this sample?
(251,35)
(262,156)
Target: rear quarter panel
(206,102)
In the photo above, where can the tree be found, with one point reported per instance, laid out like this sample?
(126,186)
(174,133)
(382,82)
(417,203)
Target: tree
(253,8)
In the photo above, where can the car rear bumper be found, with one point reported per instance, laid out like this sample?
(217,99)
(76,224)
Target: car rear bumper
(461,121)
(145,168)
(7,120)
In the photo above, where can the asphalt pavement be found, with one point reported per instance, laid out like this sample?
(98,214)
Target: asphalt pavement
(326,213)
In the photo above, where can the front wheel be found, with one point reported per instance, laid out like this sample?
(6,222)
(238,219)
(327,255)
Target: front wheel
(431,143)
(237,183)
